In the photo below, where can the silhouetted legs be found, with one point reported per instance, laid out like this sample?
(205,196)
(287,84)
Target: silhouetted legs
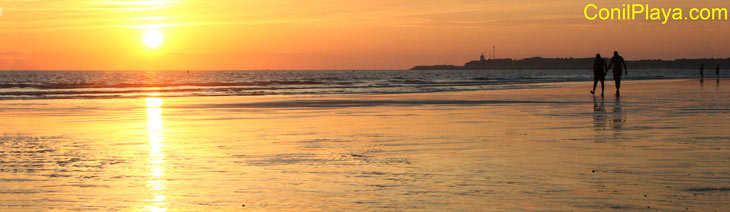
(617,79)
(595,83)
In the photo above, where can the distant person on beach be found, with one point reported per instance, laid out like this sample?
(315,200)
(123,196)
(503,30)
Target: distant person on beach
(599,73)
(702,71)
(617,62)
(717,71)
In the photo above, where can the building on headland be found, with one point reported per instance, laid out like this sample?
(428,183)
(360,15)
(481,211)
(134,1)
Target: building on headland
(482,63)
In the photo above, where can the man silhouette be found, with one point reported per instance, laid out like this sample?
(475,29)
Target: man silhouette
(618,62)
(599,73)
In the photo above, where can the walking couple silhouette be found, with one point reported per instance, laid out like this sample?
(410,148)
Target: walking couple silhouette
(600,69)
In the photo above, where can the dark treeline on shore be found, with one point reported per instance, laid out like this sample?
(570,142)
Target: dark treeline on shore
(576,63)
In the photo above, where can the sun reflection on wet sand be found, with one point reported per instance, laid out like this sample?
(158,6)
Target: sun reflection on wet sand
(554,148)
(156,160)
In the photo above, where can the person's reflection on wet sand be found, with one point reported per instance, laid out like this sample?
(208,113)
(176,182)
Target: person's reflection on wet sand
(702,84)
(618,115)
(717,84)
(599,114)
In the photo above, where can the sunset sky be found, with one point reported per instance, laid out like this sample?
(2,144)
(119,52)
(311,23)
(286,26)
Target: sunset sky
(332,34)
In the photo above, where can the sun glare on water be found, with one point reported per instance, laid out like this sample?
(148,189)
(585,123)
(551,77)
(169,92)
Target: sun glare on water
(152,38)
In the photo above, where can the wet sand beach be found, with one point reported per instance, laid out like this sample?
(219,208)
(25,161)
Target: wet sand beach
(661,146)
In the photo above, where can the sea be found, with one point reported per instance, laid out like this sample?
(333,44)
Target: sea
(133,84)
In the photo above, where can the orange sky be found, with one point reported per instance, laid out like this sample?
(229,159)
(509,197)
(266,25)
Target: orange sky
(332,34)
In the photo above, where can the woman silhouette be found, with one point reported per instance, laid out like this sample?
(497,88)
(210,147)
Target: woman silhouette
(599,73)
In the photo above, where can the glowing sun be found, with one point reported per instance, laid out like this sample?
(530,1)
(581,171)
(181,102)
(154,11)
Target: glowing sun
(152,38)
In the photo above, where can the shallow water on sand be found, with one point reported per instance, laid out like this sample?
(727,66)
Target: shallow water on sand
(661,146)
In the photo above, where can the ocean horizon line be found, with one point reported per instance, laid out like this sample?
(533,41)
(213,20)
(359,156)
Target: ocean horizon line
(389,69)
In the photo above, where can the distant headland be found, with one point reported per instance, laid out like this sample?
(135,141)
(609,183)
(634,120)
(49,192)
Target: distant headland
(574,63)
